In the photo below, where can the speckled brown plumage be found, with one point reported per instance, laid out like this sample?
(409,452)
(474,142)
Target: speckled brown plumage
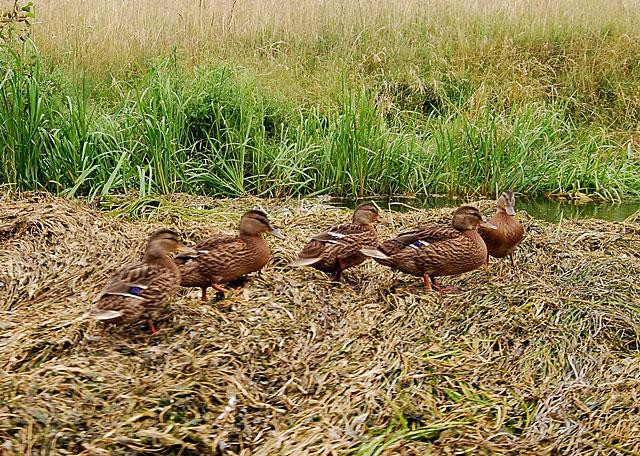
(338,248)
(435,250)
(162,280)
(222,259)
(503,241)
(142,291)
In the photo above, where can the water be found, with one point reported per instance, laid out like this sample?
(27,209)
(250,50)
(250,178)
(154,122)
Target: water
(540,208)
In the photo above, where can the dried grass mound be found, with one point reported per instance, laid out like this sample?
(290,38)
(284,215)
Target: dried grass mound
(538,360)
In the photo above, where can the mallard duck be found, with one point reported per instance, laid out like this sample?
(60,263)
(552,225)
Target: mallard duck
(141,291)
(338,248)
(222,259)
(436,250)
(503,241)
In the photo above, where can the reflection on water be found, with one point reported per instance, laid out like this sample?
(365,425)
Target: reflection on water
(540,208)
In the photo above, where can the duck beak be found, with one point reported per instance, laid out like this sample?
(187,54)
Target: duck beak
(488,225)
(184,250)
(510,210)
(275,232)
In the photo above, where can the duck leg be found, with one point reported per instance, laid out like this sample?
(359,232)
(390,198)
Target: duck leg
(427,282)
(512,257)
(152,328)
(337,276)
(437,287)
(486,264)
(204,294)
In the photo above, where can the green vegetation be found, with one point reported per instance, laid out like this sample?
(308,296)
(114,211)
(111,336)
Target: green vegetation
(373,98)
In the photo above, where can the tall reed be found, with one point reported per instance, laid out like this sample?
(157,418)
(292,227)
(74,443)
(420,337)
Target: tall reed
(215,130)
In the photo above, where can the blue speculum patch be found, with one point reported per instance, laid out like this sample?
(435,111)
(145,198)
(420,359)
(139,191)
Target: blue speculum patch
(135,291)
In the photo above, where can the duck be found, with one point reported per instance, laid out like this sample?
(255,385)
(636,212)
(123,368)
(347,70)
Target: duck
(436,250)
(142,291)
(338,247)
(502,242)
(222,259)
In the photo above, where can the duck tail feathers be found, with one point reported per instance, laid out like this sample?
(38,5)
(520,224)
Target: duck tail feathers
(304,262)
(105,315)
(374,253)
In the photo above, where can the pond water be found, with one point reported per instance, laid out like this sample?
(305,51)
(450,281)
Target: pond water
(540,208)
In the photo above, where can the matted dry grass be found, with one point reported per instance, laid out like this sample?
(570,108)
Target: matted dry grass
(539,360)
(117,34)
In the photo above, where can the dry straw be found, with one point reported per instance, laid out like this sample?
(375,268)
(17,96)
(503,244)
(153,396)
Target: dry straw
(540,360)
(123,33)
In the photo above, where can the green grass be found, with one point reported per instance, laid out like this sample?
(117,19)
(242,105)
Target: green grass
(219,129)
(377,445)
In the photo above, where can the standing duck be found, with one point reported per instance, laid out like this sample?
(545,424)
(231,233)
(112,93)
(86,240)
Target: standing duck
(436,250)
(338,248)
(222,259)
(503,241)
(141,291)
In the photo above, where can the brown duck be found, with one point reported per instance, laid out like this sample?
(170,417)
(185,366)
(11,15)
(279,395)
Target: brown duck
(436,250)
(222,259)
(338,248)
(141,291)
(503,241)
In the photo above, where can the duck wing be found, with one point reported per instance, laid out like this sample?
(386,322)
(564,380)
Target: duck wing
(440,255)
(346,237)
(203,248)
(213,257)
(418,238)
(132,280)
(135,290)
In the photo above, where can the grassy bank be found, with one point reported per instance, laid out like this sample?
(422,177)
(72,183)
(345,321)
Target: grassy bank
(344,98)
(542,359)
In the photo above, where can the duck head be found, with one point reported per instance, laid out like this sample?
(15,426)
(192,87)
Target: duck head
(469,218)
(255,222)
